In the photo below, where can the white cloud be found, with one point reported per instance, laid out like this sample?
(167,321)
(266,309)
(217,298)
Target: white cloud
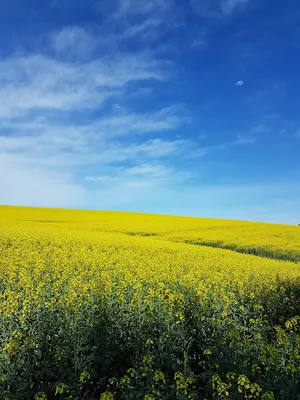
(218,8)
(148,29)
(38,83)
(253,135)
(118,123)
(246,139)
(230,6)
(258,129)
(131,123)
(146,7)
(74,42)
(53,128)
(153,170)
(240,83)
(157,147)
(199,43)
(42,169)
(144,21)
(139,175)
(49,141)
(41,156)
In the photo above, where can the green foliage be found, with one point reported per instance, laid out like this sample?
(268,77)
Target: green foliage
(157,342)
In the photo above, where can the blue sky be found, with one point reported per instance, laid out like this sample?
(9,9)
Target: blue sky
(135,105)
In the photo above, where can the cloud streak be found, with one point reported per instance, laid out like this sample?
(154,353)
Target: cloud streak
(253,135)
(219,8)
(59,119)
(37,82)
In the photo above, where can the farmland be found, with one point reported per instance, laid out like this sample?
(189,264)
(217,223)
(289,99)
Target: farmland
(107,305)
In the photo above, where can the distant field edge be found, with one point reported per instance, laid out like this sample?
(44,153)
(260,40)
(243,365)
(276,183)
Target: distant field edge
(257,251)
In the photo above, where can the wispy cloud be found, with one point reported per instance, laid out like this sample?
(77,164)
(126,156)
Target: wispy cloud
(219,8)
(136,7)
(74,43)
(143,21)
(131,123)
(60,155)
(253,135)
(143,172)
(230,6)
(200,39)
(61,146)
(37,82)
(64,114)
(146,30)
(154,170)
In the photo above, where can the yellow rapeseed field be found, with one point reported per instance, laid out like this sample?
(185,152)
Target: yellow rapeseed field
(108,305)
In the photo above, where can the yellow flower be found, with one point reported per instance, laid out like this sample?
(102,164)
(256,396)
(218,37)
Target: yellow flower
(149,397)
(159,376)
(84,377)
(131,372)
(147,360)
(61,389)
(40,396)
(107,396)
